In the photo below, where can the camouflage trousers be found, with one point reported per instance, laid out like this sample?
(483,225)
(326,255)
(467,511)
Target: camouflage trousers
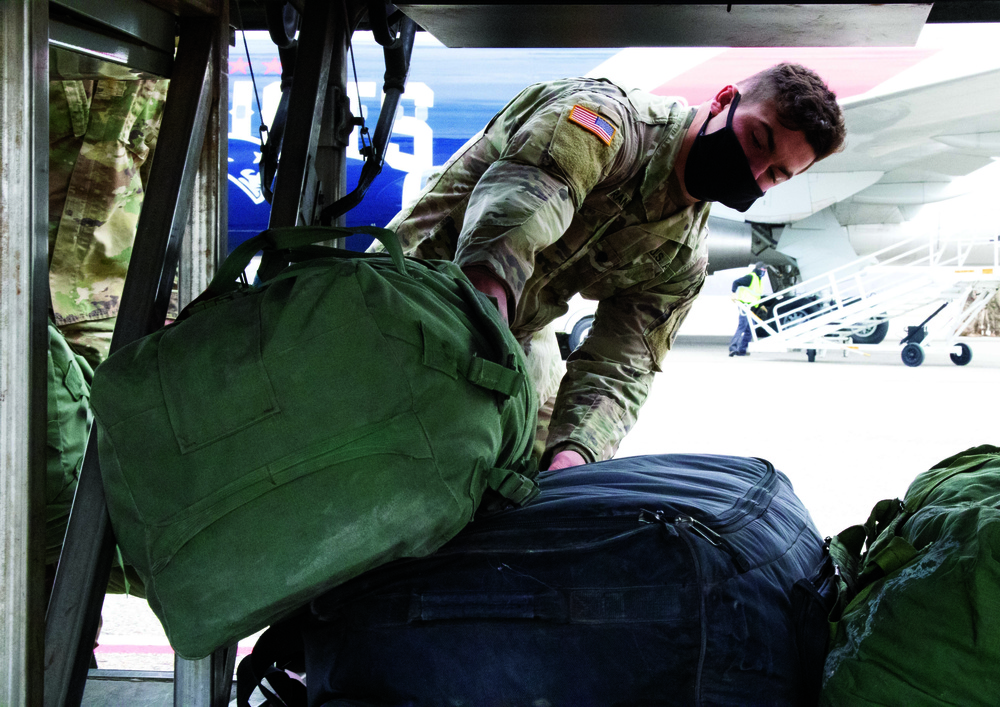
(92,340)
(546,369)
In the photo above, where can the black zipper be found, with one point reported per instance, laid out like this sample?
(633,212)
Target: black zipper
(696,527)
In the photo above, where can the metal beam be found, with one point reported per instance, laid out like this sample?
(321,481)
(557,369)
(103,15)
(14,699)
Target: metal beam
(113,49)
(670,24)
(205,242)
(24,140)
(207,682)
(85,563)
(292,203)
(136,19)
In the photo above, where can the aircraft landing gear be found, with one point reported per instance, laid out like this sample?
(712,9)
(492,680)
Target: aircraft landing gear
(913,355)
(963,356)
(811,355)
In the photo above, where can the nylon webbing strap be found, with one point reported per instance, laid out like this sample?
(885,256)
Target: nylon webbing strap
(275,646)
(890,558)
(493,376)
(845,549)
(509,484)
(294,237)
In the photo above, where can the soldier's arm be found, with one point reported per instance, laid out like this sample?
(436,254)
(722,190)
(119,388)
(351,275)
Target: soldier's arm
(526,199)
(609,376)
(742,282)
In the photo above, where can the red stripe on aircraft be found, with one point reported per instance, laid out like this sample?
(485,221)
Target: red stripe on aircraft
(848,71)
(129,649)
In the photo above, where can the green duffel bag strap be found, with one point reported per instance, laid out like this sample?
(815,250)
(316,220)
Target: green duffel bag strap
(513,485)
(862,553)
(508,488)
(276,239)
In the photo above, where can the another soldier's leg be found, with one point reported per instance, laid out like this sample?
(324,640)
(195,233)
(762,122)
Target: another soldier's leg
(546,370)
(69,422)
(92,340)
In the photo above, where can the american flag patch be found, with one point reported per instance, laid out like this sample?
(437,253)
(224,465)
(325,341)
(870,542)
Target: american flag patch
(592,122)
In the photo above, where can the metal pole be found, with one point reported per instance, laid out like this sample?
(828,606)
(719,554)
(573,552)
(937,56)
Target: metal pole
(293,202)
(23,343)
(205,243)
(335,131)
(85,563)
(207,682)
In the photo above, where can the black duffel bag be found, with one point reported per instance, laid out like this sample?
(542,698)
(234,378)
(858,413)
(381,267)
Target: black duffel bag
(659,580)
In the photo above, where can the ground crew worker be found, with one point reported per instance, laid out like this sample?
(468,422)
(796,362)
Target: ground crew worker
(580,186)
(747,289)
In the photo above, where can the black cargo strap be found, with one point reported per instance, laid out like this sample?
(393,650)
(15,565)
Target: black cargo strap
(278,645)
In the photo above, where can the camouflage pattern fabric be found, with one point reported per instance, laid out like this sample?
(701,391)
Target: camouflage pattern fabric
(555,208)
(101,135)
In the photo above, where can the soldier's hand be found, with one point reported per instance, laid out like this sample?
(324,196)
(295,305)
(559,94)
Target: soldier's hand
(566,459)
(490,285)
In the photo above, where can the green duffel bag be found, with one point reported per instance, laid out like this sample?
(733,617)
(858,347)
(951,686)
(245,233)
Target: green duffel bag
(283,438)
(69,421)
(919,622)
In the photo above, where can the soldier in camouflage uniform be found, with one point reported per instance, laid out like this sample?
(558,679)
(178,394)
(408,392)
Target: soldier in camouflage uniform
(101,135)
(579,186)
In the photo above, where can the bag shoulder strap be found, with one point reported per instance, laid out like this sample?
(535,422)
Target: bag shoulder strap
(279,645)
(276,239)
(855,550)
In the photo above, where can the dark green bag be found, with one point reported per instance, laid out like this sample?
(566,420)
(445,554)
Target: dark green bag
(69,421)
(281,439)
(919,622)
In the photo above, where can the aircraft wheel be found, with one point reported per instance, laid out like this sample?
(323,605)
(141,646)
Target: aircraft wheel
(872,334)
(581,330)
(811,355)
(963,357)
(913,355)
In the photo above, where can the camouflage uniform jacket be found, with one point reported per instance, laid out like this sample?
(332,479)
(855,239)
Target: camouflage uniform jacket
(558,209)
(100,135)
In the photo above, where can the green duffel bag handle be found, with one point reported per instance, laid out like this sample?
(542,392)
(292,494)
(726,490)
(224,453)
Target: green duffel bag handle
(293,237)
(857,552)
(496,376)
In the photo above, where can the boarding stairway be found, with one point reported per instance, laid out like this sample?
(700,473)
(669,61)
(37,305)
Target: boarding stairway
(849,308)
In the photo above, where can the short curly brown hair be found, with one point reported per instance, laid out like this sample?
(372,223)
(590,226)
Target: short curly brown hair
(803,102)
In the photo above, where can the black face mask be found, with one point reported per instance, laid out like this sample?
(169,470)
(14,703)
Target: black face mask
(717,169)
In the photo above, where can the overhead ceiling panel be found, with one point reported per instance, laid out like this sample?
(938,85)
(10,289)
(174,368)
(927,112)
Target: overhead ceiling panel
(662,25)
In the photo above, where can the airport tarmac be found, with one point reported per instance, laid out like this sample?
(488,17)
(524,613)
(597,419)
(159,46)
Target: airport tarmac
(848,432)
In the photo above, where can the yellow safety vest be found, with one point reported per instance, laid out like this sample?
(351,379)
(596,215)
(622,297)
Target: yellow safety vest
(751,294)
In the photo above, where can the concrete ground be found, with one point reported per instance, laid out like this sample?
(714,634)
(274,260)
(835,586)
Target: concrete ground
(848,431)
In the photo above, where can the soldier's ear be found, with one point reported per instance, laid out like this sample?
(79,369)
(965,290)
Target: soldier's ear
(723,98)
